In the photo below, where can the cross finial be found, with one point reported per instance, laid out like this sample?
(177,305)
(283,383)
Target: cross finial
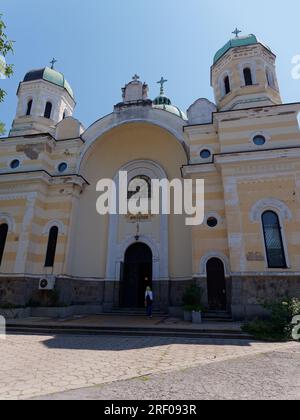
(136,78)
(53,62)
(161,82)
(236,32)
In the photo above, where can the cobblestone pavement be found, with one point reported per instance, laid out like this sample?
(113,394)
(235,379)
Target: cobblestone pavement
(268,376)
(35,365)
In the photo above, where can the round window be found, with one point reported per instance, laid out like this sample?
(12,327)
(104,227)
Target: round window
(15,164)
(62,167)
(259,140)
(212,222)
(205,154)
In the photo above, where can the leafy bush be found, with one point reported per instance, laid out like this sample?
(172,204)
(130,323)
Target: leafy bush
(279,325)
(192,299)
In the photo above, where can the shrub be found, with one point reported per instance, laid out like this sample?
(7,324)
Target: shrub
(279,325)
(192,298)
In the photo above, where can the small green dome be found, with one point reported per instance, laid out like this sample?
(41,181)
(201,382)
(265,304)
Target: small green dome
(162,100)
(165,104)
(241,41)
(50,75)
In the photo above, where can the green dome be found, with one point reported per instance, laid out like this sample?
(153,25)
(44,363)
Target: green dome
(50,75)
(165,104)
(162,100)
(241,41)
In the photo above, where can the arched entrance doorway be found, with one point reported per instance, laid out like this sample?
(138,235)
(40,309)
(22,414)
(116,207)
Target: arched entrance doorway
(136,275)
(216,285)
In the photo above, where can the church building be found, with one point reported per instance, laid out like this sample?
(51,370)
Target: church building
(245,146)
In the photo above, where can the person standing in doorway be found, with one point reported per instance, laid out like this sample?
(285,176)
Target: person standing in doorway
(149,301)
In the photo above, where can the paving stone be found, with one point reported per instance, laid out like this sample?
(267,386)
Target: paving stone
(38,365)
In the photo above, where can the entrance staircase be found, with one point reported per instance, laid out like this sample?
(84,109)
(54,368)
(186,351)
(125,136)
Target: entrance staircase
(121,322)
(217,316)
(133,312)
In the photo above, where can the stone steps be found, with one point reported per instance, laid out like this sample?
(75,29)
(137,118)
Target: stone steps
(217,316)
(133,312)
(127,331)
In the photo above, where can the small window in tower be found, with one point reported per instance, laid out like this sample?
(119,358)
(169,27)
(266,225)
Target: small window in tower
(29,107)
(227,85)
(48,110)
(248,77)
(270,78)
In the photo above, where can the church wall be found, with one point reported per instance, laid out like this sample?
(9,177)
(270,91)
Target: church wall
(248,253)
(279,125)
(110,153)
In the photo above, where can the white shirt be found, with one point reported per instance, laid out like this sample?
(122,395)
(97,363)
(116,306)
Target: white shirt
(150,294)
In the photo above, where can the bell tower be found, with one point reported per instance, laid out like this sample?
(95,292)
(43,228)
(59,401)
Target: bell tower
(44,99)
(243,74)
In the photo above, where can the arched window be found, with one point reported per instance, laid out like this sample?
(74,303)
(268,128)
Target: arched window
(248,77)
(3,237)
(29,106)
(270,78)
(140,184)
(64,115)
(48,110)
(273,240)
(51,248)
(227,85)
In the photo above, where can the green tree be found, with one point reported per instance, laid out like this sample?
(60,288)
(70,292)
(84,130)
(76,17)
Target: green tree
(6,70)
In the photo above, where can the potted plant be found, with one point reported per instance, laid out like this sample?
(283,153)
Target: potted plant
(197,315)
(191,301)
(187,313)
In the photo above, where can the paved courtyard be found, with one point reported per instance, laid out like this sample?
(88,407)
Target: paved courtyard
(36,365)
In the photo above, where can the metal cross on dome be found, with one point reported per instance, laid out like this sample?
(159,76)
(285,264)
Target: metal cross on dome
(236,32)
(53,62)
(161,82)
(136,78)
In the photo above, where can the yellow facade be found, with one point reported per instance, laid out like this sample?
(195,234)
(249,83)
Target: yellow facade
(244,180)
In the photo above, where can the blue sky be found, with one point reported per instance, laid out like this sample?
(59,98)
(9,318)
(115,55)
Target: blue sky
(101,44)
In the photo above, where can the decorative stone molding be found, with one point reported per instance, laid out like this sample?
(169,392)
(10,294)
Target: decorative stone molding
(9,220)
(24,238)
(283,213)
(61,227)
(270,204)
(221,82)
(160,249)
(251,64)
(265,134)
(170,122)
(209,256)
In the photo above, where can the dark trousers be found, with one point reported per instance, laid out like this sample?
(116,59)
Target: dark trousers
(149,309)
